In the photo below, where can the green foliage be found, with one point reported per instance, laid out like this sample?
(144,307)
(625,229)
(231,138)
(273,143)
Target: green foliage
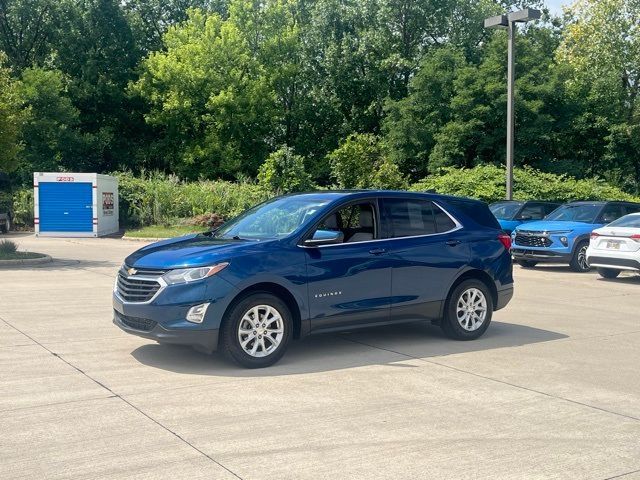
(487,183)
(159,199)
(7,248)
(23,207)
(284,172)
(11,119)
(361,161)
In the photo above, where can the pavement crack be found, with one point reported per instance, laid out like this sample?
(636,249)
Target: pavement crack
(117,395)
(533,390)
(623,474)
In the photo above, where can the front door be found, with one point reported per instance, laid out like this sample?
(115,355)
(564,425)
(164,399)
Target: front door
(349,283)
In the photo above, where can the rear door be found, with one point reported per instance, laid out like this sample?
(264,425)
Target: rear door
(426,250)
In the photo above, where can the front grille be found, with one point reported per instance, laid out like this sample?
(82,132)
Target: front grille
(137,323)
(139,290)
(531,240)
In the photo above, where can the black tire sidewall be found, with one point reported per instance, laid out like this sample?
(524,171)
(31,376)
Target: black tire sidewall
(608,272)
(450,323)
(527,263)
(574,264)
(230,342)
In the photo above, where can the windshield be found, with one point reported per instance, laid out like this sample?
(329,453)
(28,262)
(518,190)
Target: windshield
(275,218)
(506,210)
(630,221)
(575,213)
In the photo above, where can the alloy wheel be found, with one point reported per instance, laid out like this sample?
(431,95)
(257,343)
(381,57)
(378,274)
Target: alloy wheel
(261,331)
(471,309)
(582,258)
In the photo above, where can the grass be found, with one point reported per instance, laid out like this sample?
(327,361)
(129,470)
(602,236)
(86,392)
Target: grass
(9,251)
(160,231)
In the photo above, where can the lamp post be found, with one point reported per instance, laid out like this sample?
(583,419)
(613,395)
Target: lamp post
(509,21)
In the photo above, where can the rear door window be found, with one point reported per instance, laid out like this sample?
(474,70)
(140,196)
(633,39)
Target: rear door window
(611,212)
(411,217)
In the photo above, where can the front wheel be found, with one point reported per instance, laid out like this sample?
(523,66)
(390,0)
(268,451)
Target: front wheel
(608,272)
(257,330)
(579,260)
(468,311)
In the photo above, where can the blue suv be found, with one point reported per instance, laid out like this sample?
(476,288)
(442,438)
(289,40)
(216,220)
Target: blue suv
(563,236)
(319,262)
(511,213)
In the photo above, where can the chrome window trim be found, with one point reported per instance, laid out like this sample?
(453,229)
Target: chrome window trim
(458,226)
(160,280)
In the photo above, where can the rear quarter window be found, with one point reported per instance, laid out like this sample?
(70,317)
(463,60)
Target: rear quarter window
(477,211)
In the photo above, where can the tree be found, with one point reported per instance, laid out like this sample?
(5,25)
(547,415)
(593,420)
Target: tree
(601,47)
(284,172)
(361,161)
(49,131)
(208,99)
(11,119)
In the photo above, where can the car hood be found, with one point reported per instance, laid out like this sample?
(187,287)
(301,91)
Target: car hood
(551,226)
(194,250)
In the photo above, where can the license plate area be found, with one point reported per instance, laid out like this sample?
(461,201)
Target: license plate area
(613,244)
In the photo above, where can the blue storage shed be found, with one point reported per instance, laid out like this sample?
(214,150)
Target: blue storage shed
(75,204)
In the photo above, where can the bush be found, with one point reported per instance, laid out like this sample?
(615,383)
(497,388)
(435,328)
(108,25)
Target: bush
(158,199)
(487,182)
(7,247)
(283,172)
(23,208)
(361,161)
(210,220)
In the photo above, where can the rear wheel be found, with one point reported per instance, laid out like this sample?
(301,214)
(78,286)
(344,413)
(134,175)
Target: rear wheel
(257,330)
(468,311)
(527,263)
(608,272)
(579,260)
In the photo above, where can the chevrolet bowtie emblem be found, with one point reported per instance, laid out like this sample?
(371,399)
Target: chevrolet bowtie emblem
(132,271)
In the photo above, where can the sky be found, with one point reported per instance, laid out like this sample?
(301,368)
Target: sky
(555,6)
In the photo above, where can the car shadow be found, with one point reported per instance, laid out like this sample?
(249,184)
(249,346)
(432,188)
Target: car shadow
(387,345)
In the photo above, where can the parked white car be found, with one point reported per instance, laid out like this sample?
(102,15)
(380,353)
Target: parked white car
(616,247)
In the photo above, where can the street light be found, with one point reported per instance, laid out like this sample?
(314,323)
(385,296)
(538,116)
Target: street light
(509,21)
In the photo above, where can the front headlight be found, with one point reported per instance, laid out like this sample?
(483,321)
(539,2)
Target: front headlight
(186,275)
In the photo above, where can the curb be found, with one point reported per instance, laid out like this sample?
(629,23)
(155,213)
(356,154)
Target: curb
(20,262)
(144,239)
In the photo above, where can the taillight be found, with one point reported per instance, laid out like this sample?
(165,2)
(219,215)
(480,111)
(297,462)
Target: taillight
(594,235)
(636,237)
(505,240)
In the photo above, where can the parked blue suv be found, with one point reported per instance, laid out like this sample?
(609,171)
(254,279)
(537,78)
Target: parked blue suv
(563,236)
(319,262)
(511,213)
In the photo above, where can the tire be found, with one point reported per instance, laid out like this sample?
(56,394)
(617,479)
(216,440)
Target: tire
(527,263)
(239,328)
(466,326)
(579,260)
(608,272)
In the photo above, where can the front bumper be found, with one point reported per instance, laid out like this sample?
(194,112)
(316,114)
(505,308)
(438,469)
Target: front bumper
(203,340)
(522,253)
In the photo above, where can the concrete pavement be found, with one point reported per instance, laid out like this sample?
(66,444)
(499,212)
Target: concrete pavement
(551,391)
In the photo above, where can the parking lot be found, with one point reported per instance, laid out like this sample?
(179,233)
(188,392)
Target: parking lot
(551,391)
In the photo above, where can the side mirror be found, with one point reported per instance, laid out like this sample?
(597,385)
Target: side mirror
(324,237)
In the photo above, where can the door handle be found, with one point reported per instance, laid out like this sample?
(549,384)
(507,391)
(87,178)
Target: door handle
(453,243)
(377,251)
